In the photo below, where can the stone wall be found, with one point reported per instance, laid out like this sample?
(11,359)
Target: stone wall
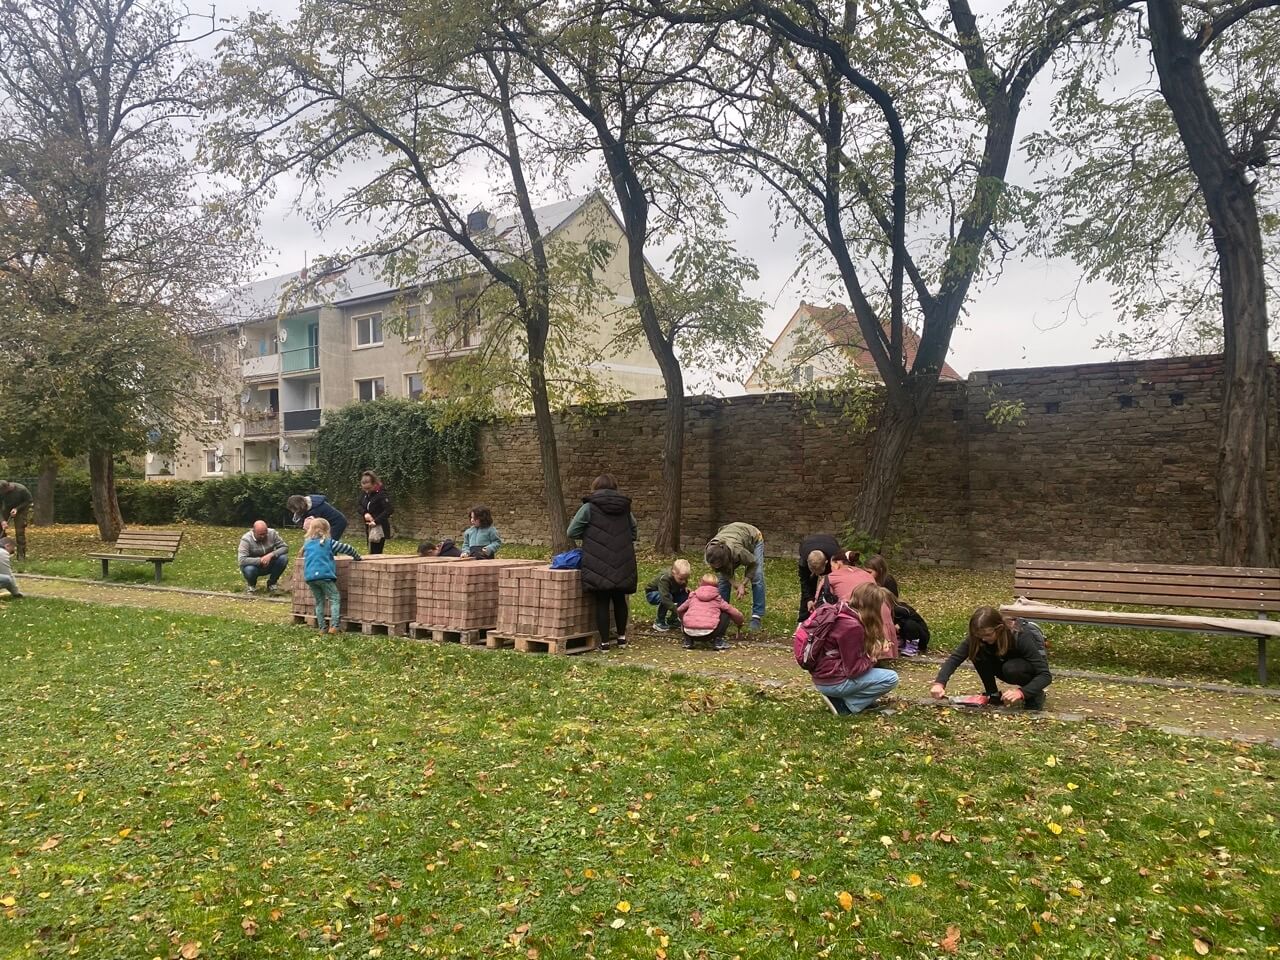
(1111,461)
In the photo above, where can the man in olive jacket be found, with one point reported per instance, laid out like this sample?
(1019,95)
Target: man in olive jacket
(15,506)
(740,545)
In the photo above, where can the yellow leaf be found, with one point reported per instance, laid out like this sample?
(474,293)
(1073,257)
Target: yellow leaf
(795,874)
(1202,834)
(1054,828)
(1051,761)
(887,841)
(1035,925)
(7,902)
(874,794)
(126,831)
(845,899)
(1202,948)
(1072,786)
(624,906)
(589,873)
(914,880)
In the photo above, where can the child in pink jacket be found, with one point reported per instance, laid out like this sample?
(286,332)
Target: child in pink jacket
(706,615)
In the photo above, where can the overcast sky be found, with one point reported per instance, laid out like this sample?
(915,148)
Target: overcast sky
(1037,314)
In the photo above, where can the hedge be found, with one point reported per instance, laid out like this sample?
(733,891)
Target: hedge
(231,501)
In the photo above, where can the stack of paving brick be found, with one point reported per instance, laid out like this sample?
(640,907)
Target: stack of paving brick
(458,600)
(545,611)
(304,603)
(383,592)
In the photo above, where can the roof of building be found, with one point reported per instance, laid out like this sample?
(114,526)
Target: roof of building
(363,279)
(841,327)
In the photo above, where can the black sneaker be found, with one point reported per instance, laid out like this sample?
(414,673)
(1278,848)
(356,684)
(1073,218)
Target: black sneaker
(621,642)
(687,643)
(1033,702)
(721,644)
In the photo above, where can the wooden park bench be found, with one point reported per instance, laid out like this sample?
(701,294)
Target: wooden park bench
(142,546)
(1252,589)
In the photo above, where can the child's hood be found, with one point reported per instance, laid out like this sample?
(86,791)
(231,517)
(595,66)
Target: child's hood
(707,593)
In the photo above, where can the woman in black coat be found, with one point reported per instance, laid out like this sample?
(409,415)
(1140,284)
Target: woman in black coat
(607,530)
(375,510)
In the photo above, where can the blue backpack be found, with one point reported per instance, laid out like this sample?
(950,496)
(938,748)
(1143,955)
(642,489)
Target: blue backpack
(569,560)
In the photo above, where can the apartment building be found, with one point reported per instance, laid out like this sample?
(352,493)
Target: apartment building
(295,347)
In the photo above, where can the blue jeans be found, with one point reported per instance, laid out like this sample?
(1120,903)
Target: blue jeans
(666,612)
(10,584)
(324,590)
(857,694)
(252,571)
(757,585)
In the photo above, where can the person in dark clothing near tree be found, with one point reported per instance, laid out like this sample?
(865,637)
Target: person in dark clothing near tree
(830,546)
(375,510)
(607,530)
(15,507)
(1001,648)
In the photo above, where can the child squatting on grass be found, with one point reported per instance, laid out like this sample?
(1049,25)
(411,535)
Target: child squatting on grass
(1004,648)
(320,570)
(666,592)
(706,615)
(7,547)
(839,645)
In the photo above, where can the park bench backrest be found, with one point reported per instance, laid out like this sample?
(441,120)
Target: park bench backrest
(1149,584)
(152,543)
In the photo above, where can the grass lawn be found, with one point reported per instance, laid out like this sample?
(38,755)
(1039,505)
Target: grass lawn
(187,786)
(945,595)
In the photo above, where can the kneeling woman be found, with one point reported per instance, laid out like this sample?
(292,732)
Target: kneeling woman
(1001,648)
(846,673)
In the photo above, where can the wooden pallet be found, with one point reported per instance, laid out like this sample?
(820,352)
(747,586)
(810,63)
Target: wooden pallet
(305,618)
(560,646)
(475,637)
(369,628)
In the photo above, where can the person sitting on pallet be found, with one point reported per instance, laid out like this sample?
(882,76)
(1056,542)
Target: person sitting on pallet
(262,550)
(1002,648)
(320,571)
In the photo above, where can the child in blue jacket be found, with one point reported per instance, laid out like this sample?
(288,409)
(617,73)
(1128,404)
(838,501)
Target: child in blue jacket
(321,572)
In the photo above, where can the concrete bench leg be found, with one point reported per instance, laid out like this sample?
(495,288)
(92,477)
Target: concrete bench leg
(104,568)
(159,569)
(1262,660)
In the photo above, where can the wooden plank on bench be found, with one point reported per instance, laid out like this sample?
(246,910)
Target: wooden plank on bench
(1149,594)
(1235,626)
(1188,569)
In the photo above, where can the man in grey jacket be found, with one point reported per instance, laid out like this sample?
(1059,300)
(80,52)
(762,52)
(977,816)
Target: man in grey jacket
(262,550)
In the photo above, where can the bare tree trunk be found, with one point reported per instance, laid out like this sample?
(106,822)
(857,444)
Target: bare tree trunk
(552,490)
(44,492)
(895,427)
(1243,521)
(102,487)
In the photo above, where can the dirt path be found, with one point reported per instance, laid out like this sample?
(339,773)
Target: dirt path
(1196,712)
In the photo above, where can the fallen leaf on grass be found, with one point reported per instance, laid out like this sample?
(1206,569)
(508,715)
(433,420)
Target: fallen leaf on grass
(249,926)
(624,906)
(1202,948)
(914,880)
(951,942)
(845,899)
(51,843)
(190,950)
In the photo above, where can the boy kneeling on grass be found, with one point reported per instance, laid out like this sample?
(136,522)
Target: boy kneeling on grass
(706,615)
(666,592)
(321,572)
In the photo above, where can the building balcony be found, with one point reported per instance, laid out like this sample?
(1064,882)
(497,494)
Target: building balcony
(261,368)
(300,359)
(436,352)
(267,427)
(297,421)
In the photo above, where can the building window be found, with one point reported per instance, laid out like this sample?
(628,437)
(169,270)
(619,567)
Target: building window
(214,410)
(413,385)
(802,376)
(212,461)
(368,330)
(468,326)
(413,323)
(370,389)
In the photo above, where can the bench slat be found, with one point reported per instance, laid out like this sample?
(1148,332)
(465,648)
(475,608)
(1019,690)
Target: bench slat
(167,542)
(1153,600)
(1139,568)
(1175,592)
(1173,579)
(1146,621)
(161,547)
(139,557)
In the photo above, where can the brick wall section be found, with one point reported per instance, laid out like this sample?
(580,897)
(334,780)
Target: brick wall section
(1113,461)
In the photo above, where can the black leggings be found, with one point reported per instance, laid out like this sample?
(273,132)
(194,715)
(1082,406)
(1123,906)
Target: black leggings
(602,600)
(1015,671)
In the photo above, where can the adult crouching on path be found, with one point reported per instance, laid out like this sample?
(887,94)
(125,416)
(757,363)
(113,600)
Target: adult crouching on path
(825,544)
(375,510)
(15,508)
(316,505)
(607,530)
(740,545)
(1003,648)
(262,551)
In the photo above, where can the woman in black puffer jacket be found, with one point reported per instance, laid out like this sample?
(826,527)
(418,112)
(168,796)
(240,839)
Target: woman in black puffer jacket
(607,530)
